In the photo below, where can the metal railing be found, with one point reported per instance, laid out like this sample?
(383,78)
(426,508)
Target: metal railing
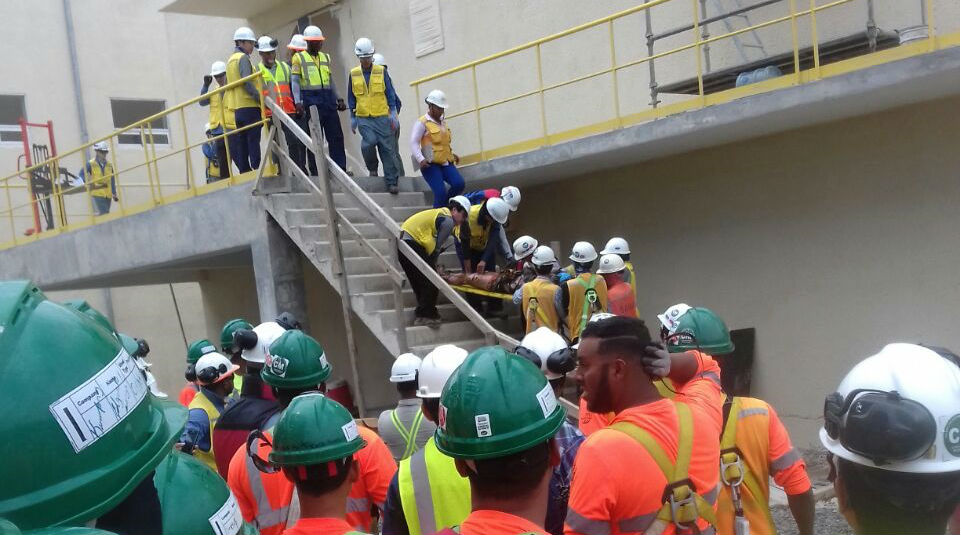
(331,177)
(793,21)
(138,181)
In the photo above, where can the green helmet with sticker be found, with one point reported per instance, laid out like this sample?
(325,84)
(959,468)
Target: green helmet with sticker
(129,343)
(67,530)
(194,499)
(295,360)
(227,334)
(495,404)
(198,349)
(314,429)
(84,307)
(8,528)
(90,430)
(700,329)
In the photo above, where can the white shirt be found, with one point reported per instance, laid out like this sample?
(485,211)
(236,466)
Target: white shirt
(417,134)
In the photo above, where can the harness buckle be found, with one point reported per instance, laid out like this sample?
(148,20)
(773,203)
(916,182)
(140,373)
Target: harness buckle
(732,468)
(683,503)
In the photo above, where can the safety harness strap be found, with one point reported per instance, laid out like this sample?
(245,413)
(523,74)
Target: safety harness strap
(590,298)
(412,440)
(733,470)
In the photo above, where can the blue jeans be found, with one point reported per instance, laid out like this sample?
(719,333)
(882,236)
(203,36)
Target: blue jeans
(101,205)
(436,175)
(376,134)
(245,146)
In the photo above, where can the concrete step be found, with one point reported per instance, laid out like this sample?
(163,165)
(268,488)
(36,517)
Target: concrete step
(371,282)
(298,200)
(356,215)
(353,249)
(317,233)
(448,313)
(446,333)
(404,183)
(373,302)
(408,198)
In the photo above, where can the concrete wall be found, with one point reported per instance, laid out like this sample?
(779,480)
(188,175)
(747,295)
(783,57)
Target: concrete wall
(831,241)
(228,294)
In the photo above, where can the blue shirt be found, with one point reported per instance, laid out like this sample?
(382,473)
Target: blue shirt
(197,430)
(569,439)
(392,101)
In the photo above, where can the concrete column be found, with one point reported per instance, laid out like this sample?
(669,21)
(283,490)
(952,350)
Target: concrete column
(228,294)
(279,274)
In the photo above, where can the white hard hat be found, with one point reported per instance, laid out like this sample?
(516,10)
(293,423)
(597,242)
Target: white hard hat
(549,351)
(206,127)
(101,146)
(379,59)
(244,34)
(313,33)
(498,209)
(543,255)
(364,48)
(512,196)
(404,368)
(436,368)
(266,333)
(897,411)
(583,252)
(610,263)
(437,98)
(616,246)
(213,368)
(464,202)
(297,42)
(217,68)
(266,44)
(524,246)
(670,318)
(597,316)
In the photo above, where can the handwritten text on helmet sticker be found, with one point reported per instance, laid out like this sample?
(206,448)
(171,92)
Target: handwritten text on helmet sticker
(483,424)
(91,410)
(228,519)
(547,400)
(350,430)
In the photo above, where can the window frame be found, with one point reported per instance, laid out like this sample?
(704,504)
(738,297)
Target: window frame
(14,127)
(164,132)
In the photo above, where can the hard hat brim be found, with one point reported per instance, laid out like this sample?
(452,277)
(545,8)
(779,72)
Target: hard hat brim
(309,39)
(403,378)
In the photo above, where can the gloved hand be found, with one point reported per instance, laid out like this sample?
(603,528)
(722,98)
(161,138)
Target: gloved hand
(353,125)
(208,79)
(563,277)
(394,123)
(341,105)
(656,360)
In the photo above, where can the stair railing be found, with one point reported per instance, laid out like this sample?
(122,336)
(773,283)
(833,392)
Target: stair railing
(330,176)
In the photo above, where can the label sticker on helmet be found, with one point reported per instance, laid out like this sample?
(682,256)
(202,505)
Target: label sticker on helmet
(228,519)
(547,400)
(483,424)
(952,439)
(350,430)
(323,360)
(90,411)
(442,417)
(277,365)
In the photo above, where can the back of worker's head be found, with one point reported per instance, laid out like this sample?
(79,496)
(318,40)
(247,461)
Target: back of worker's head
(498,417)
(619,335)
(295,363)
(433,374)
(893,428)
(403,373)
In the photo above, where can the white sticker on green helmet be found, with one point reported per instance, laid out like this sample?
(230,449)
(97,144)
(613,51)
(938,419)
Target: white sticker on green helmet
(350,430)
(547,400)
(483,424)
(323,360)
(91,410)
(228,519)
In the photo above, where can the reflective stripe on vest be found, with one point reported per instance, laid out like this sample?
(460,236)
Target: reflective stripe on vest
(239,97)
(435,144)
(683,504)
(219,113)
(479,234)
(538,295)
(583,303)
(318,71)
(433,494)
(736,473)
(422,227)
(372,99)
(277,85)
(409,435)
(200,401)
(99,180)
(632,280)
(267,517)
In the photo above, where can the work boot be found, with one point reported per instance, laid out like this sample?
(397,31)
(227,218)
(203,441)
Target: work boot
(372,173)
(392,189)
(418,321)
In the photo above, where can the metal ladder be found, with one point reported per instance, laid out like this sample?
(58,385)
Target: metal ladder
(753,40)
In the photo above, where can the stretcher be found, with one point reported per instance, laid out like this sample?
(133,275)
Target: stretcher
(478,291)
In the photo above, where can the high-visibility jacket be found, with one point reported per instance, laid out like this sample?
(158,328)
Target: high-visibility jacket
(433,494)
(620,298)
(325,526)
(277,85)
(200,401)
(314,71)
(587,294)
(436,141)
(372,99)
(187,394)
(265,498)
(589,422)
(214,116)
(489,522)
(631,279)
(235,424)
(422,227)
(755,444)
(410,435)
(479,234)
(537,304)
(239,97)
(99,179)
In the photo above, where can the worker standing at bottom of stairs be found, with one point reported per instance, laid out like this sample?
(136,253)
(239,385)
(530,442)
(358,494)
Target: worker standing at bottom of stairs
(582,296)
(195,350)
(404,428)
(426,232)
(428,493)
(536,297)
(373,110)
(215,375)
(620,297)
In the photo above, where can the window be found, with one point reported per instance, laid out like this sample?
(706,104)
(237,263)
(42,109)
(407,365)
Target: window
(12,109)
(126,112)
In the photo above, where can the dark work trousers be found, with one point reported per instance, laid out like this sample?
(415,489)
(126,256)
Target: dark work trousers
(424,290)
(295,148)
(477,301)
(223,162)
(330,124)
(245,146)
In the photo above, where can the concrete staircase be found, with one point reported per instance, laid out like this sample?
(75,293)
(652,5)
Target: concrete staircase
(301,215)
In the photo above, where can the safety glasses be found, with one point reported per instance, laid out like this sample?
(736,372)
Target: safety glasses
(253,446)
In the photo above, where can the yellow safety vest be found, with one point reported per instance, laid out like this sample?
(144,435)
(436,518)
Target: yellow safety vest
(99,180)
(318,70)
(371,101)
(744,464)
(580,307)
(433,494)
(631,280)
(437,140)
(277,85)
(537,301)
(423,228)
(409,435)
(200,401)
(214,117)
(479,234)
(239,97)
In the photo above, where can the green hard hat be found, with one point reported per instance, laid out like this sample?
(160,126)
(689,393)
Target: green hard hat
(129,343)
(295,360)
(89,430)
(495,404)
(314,429)
(700,329)
(198,349)
(193,498)
(67,530)
(8,528)
(84,307)
(227,333)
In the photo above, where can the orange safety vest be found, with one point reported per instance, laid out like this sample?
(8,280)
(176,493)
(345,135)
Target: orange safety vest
(277,86)
(537,303)
(620,298)
(587,294)
(436,141)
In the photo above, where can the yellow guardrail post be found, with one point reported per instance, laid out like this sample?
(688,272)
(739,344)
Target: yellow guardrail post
(121,196)
(480,132)
(617,102)
(225,138)
(13,227)
(153,160)
(815,51)
(795,45)
(190,168)
(146,160)
(929,19)
(540,90)
(697,51)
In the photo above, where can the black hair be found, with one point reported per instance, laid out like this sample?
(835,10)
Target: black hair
(515,475)
(625,257)
(585,266)
(544,270)
(619,335)
(190,374)
(407,387)
(319,479)
(454,205)
(885,501)
(431,406)
(286,395)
